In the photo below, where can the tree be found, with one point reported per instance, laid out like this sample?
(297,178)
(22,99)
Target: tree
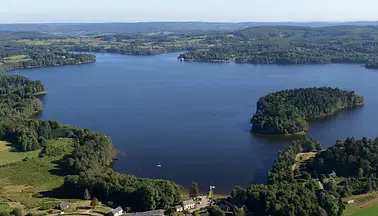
(238,211)
(17,212)
(194,190)
(216,211)
(146,198)
(360,172)
(94,203)
(87,195)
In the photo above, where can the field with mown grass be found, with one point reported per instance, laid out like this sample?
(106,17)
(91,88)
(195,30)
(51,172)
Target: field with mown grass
(365,205)
(24,180)
(16,58)
(9,155)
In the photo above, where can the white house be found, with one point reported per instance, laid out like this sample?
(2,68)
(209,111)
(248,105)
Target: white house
(117,212)
(179,208)
(350,202)
(188,204)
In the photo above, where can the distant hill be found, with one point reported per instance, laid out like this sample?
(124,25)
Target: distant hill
(148,27)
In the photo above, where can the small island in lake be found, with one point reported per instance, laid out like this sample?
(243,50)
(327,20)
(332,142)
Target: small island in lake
(286,112)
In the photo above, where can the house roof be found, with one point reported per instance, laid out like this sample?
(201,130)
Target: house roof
(147,213)
(116,210)
(64,205)
(188,202)
(178,206)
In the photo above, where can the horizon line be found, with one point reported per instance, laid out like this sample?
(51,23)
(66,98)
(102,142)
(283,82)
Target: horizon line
(189,21)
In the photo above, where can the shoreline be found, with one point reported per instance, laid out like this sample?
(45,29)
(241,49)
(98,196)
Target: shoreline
(303,133)
(36,67)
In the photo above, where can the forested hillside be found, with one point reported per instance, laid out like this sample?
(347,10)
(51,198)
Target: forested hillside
(294,45)
(286,112)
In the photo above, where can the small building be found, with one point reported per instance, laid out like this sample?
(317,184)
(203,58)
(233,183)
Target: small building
(332,174)
(116,212)
(349,202)
(147,213)
(188,204)
(64,205)
(179,208)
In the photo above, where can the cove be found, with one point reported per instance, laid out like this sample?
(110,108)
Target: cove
(193,118)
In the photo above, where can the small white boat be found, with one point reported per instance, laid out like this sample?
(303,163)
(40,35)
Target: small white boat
(159,165)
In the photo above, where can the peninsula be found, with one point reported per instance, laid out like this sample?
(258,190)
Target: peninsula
(286,112)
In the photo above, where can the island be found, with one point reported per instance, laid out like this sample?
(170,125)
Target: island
(286,112)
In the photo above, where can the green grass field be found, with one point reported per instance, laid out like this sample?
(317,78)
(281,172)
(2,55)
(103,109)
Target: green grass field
(22,182)
(16,58)
(372,211)
(8,155)
(365,205)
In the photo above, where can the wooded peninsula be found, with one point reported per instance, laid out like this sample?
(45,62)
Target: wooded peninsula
(286,112)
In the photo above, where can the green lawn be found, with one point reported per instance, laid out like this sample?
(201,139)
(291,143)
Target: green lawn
(8,155)
(16,58)
(371,211)
(365,205)
(22,182)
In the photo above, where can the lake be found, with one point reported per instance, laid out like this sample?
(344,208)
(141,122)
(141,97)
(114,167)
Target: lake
(193,118)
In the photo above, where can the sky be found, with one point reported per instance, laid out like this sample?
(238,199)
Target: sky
(51,11)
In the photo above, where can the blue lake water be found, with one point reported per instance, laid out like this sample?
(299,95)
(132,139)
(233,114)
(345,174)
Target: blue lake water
(193,118)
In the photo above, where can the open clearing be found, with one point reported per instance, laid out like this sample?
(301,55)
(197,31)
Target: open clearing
(8,155)
(22,182)
(365,205)
(301,158)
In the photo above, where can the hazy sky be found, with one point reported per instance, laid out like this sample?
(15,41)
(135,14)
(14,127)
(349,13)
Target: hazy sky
(186,10)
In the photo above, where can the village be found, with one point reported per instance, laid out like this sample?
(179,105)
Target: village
(197,205)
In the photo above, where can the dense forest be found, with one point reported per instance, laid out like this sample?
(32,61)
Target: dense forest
(307,189)
(293,45)
(286,112)
(17,96)
(287,194)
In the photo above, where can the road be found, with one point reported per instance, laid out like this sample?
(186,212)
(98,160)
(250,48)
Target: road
(203,204)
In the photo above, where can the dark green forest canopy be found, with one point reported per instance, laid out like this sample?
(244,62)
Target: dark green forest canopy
(17,96)
(286,112)
(288,194)
(306,189)
(293,45)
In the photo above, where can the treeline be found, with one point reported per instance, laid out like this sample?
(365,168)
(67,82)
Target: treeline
(287,194)
(297,187)
(285,112)
(351,157)
(17,96)
(89,165)
(282,170)
(294,45)
(39,56)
